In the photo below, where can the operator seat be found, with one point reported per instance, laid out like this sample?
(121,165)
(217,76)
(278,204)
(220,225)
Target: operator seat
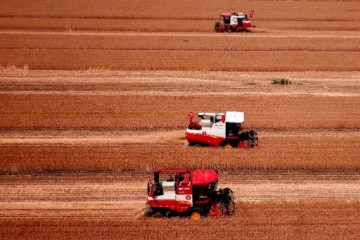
(185,182)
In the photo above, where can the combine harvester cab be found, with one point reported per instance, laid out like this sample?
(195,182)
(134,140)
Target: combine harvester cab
(233,22)
(220,129)
(188,193)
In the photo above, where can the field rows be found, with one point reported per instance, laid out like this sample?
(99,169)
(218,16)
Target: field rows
(47,116)
(213,42)
(189,16)
(331,151)
(76,147)
(205,60)
(106,191)
(121,196)
(167,25)
(175,9)
(32,211)
(73,211)
(161,100)
(326,220)
(179,53)
(177,83)
(170,112)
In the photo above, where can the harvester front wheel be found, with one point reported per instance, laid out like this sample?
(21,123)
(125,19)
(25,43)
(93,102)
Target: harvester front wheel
(195,215)
(228,146)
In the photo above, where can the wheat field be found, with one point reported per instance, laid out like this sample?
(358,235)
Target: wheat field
(94,96)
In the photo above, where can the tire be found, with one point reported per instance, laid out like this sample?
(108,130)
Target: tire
(195,215)
(228,146)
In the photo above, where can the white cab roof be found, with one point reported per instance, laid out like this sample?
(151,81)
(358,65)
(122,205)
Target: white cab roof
(234,117)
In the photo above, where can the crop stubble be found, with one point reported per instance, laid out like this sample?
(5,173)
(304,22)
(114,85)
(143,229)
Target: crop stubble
(255,221)
(314,151)
(174,52)
(101,205)
(129,120)
(174,16)
(130,101)
(115,49)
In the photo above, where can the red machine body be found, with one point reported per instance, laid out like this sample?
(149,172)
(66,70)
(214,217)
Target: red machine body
(233,22)
(220,129)
(189,193)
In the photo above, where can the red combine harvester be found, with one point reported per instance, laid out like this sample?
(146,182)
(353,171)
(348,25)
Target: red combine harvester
(220,129)
(188,193)
(233,22)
